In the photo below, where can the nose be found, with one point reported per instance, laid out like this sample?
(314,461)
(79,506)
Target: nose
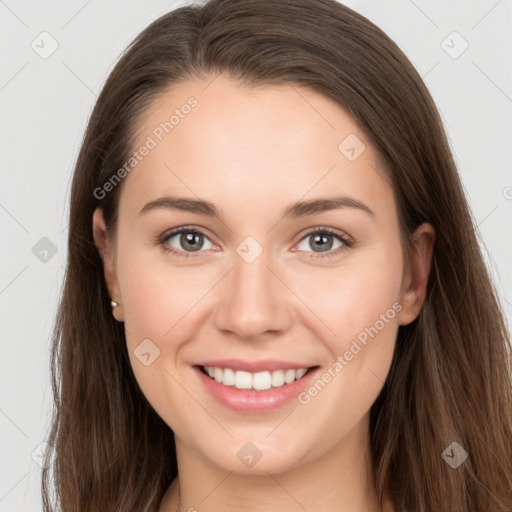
(253,299)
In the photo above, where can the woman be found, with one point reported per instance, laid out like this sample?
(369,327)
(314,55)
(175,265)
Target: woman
(275,297)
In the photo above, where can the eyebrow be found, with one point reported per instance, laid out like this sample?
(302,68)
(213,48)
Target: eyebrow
(295,210)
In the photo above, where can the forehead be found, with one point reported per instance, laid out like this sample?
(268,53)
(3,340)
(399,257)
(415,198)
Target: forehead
(249,147)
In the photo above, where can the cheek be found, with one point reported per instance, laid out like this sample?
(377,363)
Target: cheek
(155,296)
(362,310)
(159,304)
(155,301)
(353,297)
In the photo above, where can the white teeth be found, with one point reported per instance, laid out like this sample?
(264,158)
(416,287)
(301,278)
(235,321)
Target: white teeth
(217,374)
(301,373)
(289,376)
(258,381)
(277,379)
(243,380)
(228,377)
(261,380)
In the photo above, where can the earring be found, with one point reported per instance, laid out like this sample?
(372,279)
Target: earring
(113,303)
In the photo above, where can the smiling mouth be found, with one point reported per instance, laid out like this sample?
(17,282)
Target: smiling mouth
(257,381)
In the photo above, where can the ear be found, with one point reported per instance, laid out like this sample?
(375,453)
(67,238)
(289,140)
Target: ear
(104,245)
(414,284)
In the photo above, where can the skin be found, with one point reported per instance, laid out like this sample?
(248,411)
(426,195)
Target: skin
(252,152)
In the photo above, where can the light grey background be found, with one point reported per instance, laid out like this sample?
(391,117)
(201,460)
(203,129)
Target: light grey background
(44,107)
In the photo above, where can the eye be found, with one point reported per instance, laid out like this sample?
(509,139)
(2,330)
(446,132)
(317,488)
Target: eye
(189,240)
(323,239)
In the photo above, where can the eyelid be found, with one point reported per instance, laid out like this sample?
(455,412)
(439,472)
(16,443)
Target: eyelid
(325,229)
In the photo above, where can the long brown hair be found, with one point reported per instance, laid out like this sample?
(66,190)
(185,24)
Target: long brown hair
(450,380)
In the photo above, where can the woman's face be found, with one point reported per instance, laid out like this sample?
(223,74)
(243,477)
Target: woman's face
(254,289)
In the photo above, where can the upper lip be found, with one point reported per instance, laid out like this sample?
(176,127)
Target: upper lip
(254,366)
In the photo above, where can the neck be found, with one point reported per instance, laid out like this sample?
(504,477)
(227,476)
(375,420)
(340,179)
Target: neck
(337,480)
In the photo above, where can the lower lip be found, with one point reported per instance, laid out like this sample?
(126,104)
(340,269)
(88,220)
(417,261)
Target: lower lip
(255,401)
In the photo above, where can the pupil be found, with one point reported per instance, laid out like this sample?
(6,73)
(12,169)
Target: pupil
(189,239)
(323,241)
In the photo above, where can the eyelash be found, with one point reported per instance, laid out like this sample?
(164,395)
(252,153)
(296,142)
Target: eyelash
(347,242)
